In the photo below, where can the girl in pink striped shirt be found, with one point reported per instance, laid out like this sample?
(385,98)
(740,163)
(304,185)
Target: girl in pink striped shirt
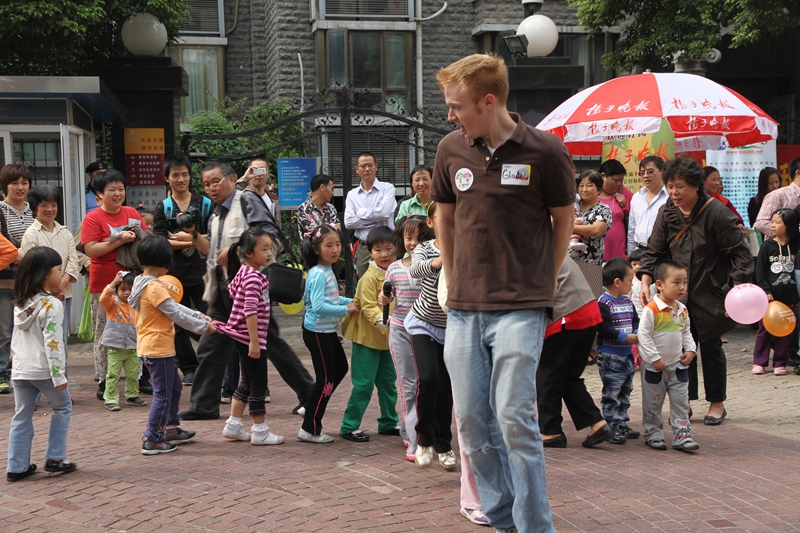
(247,326)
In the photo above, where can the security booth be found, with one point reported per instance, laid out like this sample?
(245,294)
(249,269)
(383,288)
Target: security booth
(47,123)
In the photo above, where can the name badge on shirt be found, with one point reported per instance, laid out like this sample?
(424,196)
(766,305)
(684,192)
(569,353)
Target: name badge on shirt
(516,175)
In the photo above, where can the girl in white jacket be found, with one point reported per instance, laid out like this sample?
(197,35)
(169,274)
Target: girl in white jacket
(37,348)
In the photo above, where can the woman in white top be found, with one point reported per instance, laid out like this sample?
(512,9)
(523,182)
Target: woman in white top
(45,231)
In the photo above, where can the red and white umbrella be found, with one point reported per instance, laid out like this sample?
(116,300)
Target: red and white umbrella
(702,113)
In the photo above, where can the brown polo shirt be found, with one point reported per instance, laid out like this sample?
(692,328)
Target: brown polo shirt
(503,234)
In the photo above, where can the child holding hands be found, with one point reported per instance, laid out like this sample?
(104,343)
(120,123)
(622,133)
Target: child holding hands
(666,347)
(156,314)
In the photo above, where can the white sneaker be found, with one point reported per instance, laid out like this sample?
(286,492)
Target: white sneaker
(233,433)
(424,456)
(265,439)
(448,460)
(305,436)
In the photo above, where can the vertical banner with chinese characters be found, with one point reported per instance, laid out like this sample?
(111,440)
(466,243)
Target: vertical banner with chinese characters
(294,180)
(144,156)
(739,169)
(631,149)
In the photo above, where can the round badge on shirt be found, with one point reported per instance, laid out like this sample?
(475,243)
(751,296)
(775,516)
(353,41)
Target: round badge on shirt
(464,179)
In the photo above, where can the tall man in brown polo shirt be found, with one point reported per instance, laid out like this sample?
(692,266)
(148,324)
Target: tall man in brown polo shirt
(505,215)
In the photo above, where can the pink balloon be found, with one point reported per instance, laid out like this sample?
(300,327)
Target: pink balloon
(746,303)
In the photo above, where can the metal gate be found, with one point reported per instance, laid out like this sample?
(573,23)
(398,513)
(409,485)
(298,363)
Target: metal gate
(336,125)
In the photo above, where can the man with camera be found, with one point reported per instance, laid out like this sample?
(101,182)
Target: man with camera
(234,212)
(183,219)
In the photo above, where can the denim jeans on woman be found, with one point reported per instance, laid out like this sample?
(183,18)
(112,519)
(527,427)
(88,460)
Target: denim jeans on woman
(21,433)
(492,358)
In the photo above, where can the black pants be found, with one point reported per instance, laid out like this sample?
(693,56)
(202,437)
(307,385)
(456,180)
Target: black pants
(213,353)
(434,396)
(715,369)
(231,380)
(253,385)
(330,366)
(185,357)
(558,377)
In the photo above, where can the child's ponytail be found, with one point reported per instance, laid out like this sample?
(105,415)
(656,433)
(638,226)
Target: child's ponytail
(238,251)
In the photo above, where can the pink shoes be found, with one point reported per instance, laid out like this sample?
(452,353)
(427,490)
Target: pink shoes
(779,370)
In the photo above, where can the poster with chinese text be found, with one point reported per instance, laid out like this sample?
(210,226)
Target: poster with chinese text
(631,149)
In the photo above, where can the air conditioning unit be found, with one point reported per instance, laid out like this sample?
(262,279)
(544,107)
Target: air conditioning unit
(207,18)
(366,9)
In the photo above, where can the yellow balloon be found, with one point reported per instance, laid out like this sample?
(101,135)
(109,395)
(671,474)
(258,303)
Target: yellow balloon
(174,286)
(293,309)
(779,320)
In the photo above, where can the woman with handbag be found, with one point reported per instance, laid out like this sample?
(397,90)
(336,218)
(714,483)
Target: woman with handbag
(15,181)
(700,233)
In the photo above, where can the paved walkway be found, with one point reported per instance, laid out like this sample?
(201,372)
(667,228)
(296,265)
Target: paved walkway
(745,477)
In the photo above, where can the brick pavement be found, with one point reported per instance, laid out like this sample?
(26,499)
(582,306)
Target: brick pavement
(743,479)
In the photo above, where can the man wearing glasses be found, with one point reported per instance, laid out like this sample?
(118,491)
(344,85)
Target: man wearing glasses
(646,202)
(369,205)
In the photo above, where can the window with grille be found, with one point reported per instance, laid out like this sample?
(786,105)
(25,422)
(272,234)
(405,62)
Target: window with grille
(366,9)
(207,18)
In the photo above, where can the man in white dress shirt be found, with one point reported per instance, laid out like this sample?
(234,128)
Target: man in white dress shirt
(646,203)
(369,205)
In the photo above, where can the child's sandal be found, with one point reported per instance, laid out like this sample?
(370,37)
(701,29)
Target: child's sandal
(757,370)
(779,370)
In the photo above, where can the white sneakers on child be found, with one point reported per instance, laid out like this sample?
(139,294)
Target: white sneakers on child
(305,436)
(235,433)
(266,438)
(424,456)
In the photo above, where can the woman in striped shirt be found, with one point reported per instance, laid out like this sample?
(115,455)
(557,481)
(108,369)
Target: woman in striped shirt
(426,323)
(324,308)
(247,326)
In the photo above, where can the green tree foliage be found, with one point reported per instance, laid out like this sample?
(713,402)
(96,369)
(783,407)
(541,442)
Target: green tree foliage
(232,117)
(73,37)
(656,29)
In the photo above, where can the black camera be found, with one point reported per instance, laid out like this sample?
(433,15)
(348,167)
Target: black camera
(190,217)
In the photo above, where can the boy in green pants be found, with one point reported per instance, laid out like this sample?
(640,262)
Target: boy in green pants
(120,338)
(371,363)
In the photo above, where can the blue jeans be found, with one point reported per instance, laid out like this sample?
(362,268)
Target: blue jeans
(166,396)
(21,433)
(6,328)
(616,372)
(492,358)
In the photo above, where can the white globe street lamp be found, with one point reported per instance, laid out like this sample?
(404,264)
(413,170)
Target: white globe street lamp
(541,33)
(144,35)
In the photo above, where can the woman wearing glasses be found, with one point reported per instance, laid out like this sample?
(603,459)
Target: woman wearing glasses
(646,202)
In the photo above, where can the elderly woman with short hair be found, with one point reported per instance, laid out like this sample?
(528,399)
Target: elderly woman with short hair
(700,233)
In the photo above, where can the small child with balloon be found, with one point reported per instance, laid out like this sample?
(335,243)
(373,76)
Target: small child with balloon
(775,274)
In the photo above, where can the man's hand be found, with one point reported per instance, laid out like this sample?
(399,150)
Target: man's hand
(687,357)
(644,294)
(222,257)
(658,364)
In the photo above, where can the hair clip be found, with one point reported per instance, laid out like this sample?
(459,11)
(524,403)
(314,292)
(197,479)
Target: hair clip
(409,216)
(319,233)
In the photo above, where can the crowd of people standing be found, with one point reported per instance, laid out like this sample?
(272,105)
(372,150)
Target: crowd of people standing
(459,344)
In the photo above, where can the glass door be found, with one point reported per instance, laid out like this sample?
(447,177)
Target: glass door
(73,158)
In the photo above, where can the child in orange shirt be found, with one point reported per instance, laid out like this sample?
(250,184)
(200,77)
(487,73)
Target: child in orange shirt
(156,314)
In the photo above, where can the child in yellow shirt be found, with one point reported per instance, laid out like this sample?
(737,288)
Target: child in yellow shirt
(156,314)
(371,363)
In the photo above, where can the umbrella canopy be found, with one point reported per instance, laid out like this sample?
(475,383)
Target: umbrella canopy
(702,113)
